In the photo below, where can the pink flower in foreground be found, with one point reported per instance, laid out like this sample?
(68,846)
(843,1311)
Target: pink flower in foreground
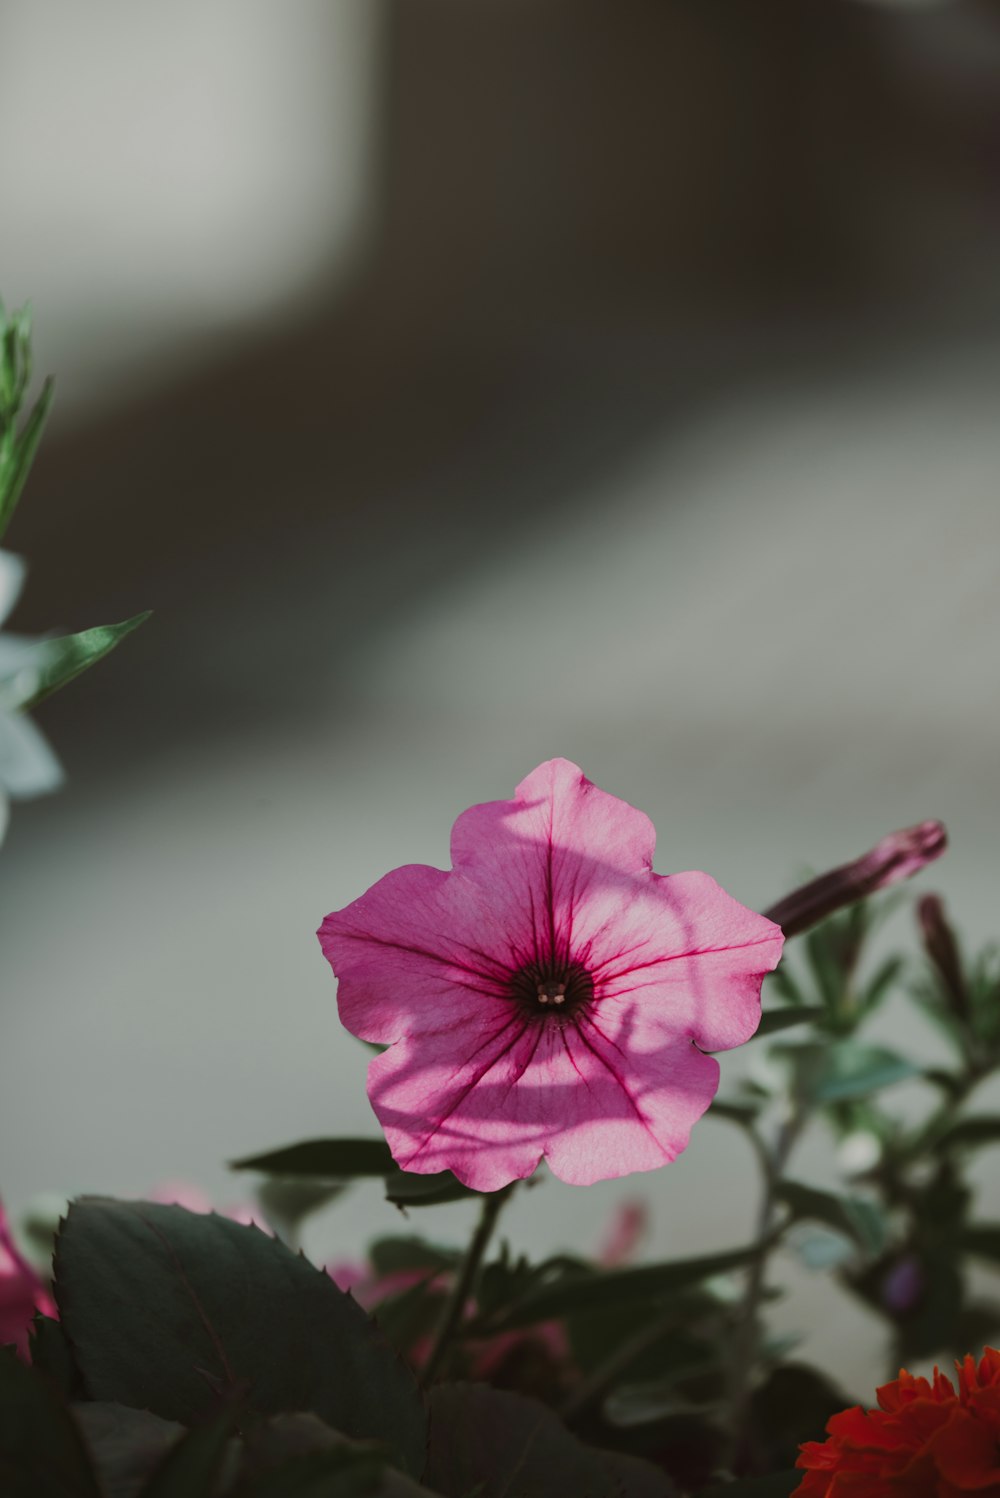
(21,1293)
(548,996)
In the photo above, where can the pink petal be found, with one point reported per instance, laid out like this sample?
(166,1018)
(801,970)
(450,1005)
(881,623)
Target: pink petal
(534,1090)
(420,951)
(689,953)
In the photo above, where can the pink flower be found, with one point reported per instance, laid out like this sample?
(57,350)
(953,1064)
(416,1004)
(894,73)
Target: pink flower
(550,996)
(21,1293)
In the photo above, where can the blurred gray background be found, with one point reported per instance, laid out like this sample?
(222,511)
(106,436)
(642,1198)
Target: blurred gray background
(465,384)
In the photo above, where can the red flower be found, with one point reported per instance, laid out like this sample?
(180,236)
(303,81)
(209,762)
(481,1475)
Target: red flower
(924,1440)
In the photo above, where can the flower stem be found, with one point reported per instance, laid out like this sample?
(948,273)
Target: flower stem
(454,1309)
(746,1346)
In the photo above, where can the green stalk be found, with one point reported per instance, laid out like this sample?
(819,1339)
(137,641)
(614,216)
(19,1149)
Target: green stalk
(454,1310)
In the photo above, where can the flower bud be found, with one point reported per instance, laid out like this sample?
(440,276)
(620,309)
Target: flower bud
(903,1286)
(896,857)
(942,949)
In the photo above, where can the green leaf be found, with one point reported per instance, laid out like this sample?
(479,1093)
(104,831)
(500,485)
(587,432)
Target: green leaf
(854,1216)
(125,1445)
(165,1309)
(17,456)
(737,1112)
(286,1202)
(596,1338)
(650,1402)
(51,1355)
(395,1255)
(329,1159)
(877,988)
(634,1478)
(784,983)
(344,1472)
(778,1485)
(620,1286)
(792,1405)
(501,1445)
(42,1454)
(68,656)
(404,1188)
(969,1133)
(782,1019)
(412,1314)
(840,1071)
(982,1240)
(191,1467)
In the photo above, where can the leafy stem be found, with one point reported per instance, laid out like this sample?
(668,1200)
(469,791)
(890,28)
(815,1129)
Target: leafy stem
(454,1309)
(746,1342)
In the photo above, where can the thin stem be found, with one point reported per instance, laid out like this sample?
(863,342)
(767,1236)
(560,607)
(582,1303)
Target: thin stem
(746,1340)
(451,1316)
(624,1355)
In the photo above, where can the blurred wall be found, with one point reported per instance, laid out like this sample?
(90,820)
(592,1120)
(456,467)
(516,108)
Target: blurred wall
(636,403)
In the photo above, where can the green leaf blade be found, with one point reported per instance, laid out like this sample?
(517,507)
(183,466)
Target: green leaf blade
(325,1159)
(854,1216)
(18,454)
(166,1309)
(68,656)
(191,1468)
(622,1286)
(782,1019)
(41,1450)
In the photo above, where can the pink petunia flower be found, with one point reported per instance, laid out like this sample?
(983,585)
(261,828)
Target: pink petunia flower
(21,1293)
(550,996)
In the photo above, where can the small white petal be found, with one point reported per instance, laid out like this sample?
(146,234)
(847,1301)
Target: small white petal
(28,766)
(11,581)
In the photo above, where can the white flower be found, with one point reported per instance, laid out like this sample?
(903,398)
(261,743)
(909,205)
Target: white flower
(27,765)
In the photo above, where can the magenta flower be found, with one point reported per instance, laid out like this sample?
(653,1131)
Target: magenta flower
(550,996)
(21,1293)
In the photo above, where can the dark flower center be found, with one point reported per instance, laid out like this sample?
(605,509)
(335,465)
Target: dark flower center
(556,989)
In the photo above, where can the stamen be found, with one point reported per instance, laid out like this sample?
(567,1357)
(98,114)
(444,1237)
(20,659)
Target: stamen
(552,983)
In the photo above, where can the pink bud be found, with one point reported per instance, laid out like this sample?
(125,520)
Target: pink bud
(942,949)
(896,857)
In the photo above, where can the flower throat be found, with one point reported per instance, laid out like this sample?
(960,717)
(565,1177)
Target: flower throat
(556,989)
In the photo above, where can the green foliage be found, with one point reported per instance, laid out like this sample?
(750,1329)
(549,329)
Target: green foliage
(126,1446)
(403,1254)
(344,1160)
(777,1485)
(502,1445)
(792,1405)
(17,447)
(328,1159)
(42,1454)
(404,1188)
(646,1284)
(783,1019)
(838,1072)
(192,1466)
(287,1201)
(166,1310)
(326,1474)
(856,1217)
(51,1355)
(68,656)
(62,659)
